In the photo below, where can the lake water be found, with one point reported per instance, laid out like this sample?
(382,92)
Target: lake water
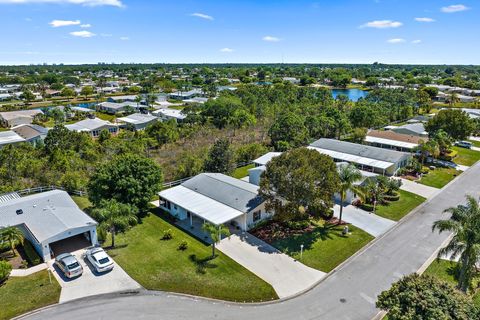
(352,94)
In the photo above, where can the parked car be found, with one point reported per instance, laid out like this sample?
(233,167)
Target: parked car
(464,144)
(99,259)
(69,265)
(441,163)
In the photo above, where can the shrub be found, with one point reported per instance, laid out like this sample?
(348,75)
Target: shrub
(449,156)
(5,269)
(366,207)
(32,255)
(183,245)
(395,197)
(298,225)
(425,170)
(167,234)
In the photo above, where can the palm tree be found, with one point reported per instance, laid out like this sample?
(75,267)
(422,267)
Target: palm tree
(349,174)
(115,217)
(453,99)
(464,222)
(11,235)
(215,232)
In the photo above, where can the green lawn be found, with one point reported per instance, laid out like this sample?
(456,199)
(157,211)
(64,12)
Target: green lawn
(466,157)
(396,210)
(439,177)
(242,172)
(82,202)
(445,270)
(105,116)
(22,294)
(158,265)
(325,247)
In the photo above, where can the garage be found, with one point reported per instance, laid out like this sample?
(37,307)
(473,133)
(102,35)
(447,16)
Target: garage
(51,221)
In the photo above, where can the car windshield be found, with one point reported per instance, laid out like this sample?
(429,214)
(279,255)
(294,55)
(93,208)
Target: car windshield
(73,265)
(104,260)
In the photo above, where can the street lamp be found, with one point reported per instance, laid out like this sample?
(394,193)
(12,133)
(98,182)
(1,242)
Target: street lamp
(301,251)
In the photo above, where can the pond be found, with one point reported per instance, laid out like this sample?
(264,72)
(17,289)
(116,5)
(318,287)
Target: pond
(352,94)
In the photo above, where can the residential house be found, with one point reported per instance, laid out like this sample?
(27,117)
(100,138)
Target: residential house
(9,137)
(31,132)
(93,127)
(413,129)
(367,158)
(393,140)
(184,95)
(215,198)
(14,118)
(49,220)
(120,99)
(166,114)
(114,108)
(138,120)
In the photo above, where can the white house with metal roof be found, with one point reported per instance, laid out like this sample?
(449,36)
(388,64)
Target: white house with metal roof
(167,113)
(46,219)
(368,158)
(138,120)
(93,127)
(414,129)
(9,137)
(14,118)
(215,198)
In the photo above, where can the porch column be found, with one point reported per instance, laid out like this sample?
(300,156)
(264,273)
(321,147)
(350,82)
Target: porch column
(245,222)
(191,219)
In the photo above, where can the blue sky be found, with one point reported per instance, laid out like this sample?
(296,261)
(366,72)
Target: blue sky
(208,31)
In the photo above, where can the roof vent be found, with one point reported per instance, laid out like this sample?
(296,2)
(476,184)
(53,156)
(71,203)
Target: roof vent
(19,211)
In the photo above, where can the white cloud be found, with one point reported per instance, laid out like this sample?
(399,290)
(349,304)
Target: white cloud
(227,50)
(124,38)
(416,41)
(202,15)
(106,35)
(86,25)
(382,24)
(271,39)
(83,34)
(396,40)
(89,3)
(455,8)
(64,23)
(424,19)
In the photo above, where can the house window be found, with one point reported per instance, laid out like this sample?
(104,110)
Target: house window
(257,215)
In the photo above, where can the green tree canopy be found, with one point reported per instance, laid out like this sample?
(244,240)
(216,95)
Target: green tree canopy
(456,123)
(298,183)
(288,131)
(220,158)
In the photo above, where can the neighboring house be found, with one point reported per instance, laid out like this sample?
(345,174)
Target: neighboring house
(393,140)
(263,160)
(119,99)
(184,95)
(215,198)
(418,119)
(15,118)
(292,80)
(367,158)
(138,120)
(9,137)
(114,108)
(93,127)
(48,220)
(5,96)
(82,110)
(31,132)
(166,114)
(413,129)
(195,100)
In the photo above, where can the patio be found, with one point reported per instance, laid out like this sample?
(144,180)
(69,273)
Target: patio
(194,224)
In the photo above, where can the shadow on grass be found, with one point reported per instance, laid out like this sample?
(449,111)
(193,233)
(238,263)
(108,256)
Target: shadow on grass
(292,244)
(202,264)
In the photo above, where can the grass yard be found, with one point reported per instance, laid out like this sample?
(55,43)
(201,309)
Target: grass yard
(325,247)
(23,294)
(445,270)
(82,202)
(398,209)
(439,177)
(466,157)
(475,143)
(158,265)
(105,116)
(242,172)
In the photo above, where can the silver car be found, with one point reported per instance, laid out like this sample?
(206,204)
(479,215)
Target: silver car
(99,259)
(69,265)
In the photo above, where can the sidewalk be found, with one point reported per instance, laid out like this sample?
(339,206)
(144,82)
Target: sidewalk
(29,271)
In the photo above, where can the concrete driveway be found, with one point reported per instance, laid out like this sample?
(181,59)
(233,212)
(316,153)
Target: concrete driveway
(368,222)
(418,188)
(285,274)
(90,282)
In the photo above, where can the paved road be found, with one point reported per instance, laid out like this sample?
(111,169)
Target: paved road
(349,293)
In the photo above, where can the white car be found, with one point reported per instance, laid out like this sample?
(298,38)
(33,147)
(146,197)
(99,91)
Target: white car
(99,259)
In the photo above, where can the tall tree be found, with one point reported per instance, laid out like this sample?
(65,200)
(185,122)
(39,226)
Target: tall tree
(288,131)
(348,175)
(299,183)
(456,123)
(220,158)
(464,222)
(86,91)
(12,236)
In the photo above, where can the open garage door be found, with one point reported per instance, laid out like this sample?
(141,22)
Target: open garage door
(70,244)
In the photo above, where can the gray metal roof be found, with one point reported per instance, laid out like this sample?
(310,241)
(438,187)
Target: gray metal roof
(8,137)
(360,150)
(232,192)
(46,214)
(88,125)
(413,127)
(138,118)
